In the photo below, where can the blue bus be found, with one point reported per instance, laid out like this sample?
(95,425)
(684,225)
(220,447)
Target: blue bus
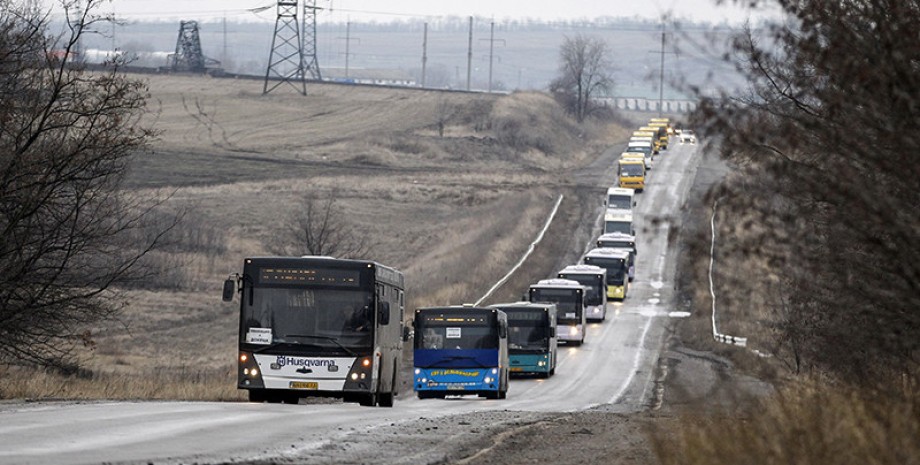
(461,350)
(531,337)
(319,327)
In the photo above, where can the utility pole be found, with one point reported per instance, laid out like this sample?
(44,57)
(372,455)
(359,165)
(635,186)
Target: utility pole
(661,75)
(424,53)
(469,57)
(223,56)
(661,71)
(492,41)
(348,38)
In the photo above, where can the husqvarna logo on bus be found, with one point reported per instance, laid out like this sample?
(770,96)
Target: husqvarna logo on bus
(306,362)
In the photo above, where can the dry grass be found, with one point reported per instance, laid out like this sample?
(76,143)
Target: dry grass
(811,423)
(162,383)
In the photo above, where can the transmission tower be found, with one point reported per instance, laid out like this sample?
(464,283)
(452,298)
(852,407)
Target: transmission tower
(285,61)
(188,56)
(311,63)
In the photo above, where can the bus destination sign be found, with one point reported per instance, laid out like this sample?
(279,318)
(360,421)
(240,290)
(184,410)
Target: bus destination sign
(310,276)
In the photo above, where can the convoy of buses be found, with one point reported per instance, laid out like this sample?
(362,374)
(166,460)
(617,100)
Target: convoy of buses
(324,327)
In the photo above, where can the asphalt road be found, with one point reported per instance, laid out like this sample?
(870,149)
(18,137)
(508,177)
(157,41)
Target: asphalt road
(613,369)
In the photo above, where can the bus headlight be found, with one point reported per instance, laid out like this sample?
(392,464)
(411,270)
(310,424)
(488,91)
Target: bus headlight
(359,375)
(541,363)
(248,374)
(573,331)
(487,380)
(418,371)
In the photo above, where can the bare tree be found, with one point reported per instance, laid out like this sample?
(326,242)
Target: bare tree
(584,73)
(829,129)
(318,227)
(68,232)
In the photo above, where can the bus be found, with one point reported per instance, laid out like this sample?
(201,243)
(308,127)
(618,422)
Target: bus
(618,240)
(651,134)
(619,198)
(531,338)
(569,297)
(461,350)
(663,133)
(618,221)
(319,327)
(666,121)
(631,172)
(594,279)
(643,147)
(615,261)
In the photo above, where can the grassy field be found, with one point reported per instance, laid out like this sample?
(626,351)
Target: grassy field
(453,212)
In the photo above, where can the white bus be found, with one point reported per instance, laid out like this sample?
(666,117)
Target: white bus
(594,279)
(619,221)
(620,198)
(319,327)
(569,297)
(622,241)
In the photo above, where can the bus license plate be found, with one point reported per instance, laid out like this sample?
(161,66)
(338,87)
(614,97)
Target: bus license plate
(517,368)
(304,385)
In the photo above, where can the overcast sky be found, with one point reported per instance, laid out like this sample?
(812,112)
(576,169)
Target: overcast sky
(383,11)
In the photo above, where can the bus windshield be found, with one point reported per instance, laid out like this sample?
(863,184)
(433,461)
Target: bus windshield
(456,332)
(617,226)
(334,320)
(631,169)
(593,283)
(567,301)
(619,202)
(616,268)
(528,330)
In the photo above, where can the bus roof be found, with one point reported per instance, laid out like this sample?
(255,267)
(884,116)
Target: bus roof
(383,272)
(660,120)
(525,304)
(617,236)
(621,191)
(557,283)
(583,269)
(606,252)
(456,308)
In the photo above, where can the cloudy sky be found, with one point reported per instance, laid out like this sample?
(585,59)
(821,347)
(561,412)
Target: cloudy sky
(382,11)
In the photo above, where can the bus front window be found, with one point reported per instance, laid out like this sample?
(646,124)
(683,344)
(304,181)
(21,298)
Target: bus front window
(618,202)
(565,299)
(319,318)
(457,337)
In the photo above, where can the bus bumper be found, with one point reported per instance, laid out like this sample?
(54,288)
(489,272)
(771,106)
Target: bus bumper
(616,292)
(530,363)
(596,312)
(457,381)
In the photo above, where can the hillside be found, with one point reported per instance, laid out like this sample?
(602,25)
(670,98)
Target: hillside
(237,165)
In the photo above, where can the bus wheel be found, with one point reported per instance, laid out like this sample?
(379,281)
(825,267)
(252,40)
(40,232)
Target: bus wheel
(502,394)
(290,398)
(386,399)
(368,400)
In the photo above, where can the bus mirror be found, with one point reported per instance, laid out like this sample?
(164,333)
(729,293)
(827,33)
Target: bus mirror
(552,331)
(229,289)
(502,331)
(406,333)
(383,314)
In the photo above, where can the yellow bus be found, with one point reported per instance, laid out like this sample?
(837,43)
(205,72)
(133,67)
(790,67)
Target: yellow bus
(650,134)
(662,133)
(631,172)
(665,121)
